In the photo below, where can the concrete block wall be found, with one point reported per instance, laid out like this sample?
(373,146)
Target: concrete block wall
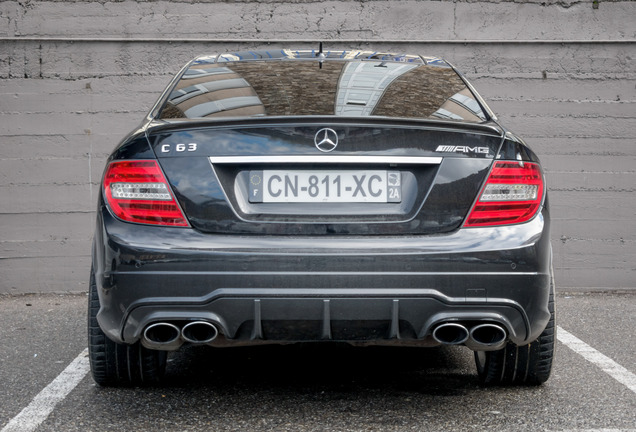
(76,76)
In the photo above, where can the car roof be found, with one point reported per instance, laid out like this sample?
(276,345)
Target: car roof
(319,55)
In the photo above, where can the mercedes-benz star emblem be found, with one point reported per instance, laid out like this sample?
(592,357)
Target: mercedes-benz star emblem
(326,140)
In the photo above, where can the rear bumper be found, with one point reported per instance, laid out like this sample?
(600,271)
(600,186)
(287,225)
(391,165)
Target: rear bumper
(378,290)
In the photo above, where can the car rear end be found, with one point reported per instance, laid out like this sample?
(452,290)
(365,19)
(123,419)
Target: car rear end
(313,201)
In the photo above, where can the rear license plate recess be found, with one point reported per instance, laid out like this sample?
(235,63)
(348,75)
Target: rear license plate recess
(325,186)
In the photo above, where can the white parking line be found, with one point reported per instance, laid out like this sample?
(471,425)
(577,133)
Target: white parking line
(596,430)
(609,366)
(43,404)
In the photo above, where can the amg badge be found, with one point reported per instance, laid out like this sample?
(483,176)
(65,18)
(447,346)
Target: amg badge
(462,149)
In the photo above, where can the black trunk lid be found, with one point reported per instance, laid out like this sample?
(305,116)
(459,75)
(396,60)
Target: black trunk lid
(272,178)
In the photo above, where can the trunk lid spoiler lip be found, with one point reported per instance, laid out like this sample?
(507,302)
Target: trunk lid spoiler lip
(490,128)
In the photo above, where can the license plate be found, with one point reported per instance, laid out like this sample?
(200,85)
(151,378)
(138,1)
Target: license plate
(322,186)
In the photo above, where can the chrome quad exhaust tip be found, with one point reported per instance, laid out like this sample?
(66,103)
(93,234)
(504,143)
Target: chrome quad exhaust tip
(487,337)
(450,334)
(162,336)
(199,332)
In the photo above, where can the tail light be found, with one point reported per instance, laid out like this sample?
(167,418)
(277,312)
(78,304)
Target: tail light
(137,191)
(512,194)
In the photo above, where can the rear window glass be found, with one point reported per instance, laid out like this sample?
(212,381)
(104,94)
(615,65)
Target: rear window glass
(302,88)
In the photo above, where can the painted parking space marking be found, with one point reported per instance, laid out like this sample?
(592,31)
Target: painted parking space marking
(43,404)
(607,365)
(596,430)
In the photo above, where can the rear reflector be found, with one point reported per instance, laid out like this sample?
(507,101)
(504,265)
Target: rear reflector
(512,194)
(137,191)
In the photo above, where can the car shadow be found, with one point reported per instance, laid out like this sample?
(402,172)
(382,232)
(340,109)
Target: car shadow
(312,387)
(324,367)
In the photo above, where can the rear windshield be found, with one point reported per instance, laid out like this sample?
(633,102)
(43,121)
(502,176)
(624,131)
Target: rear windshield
(303,88)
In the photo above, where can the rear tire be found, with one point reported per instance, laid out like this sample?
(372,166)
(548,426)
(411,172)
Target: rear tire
(520,365)
(114,364)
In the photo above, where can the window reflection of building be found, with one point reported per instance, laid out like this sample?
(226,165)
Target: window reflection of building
(293,88)
(419,92)
(362,85)
(412,87)
(460,106)
(211,90)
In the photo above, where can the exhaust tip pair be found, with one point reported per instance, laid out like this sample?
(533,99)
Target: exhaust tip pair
(482,337)
(167,336)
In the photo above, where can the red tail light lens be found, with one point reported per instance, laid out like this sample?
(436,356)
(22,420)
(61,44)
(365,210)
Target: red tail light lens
(512,194)
(137,191)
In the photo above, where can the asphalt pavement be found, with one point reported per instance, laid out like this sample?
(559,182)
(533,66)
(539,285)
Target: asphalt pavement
(44,385)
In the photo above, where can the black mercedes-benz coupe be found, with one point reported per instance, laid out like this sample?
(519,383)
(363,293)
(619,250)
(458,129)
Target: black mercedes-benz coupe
(290,196)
